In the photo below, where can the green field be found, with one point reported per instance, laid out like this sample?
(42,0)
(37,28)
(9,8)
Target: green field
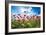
(25,24)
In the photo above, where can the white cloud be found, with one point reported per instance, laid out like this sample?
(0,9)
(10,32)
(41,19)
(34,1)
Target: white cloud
(29,10)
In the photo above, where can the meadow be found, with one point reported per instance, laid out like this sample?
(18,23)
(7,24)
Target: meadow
(33,22)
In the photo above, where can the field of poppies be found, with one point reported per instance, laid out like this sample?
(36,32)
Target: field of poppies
(25,21)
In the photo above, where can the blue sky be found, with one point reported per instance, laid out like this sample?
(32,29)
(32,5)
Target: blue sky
(27,9)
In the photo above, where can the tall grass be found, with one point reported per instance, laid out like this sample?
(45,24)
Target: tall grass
(34,23)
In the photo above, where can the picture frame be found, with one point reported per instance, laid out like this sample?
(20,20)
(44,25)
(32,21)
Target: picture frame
(39,7)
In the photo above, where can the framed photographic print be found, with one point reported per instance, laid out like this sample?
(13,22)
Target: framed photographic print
(24,17)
